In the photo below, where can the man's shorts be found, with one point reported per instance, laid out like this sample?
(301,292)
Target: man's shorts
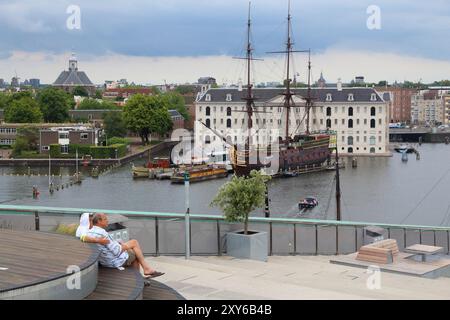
(131,258)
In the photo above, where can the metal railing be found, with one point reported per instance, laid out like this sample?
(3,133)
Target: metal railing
(164,233)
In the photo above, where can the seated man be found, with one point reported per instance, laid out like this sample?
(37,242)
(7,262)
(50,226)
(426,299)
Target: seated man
(115,254)
(84,227)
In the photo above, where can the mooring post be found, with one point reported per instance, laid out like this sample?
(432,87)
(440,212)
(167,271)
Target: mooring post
(36,221)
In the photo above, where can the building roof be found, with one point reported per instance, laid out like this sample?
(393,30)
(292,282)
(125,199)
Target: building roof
(267,94)
(175,113)
(73,78)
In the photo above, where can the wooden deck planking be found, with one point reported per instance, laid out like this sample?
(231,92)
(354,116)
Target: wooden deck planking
(115,284)
(159,291)
(37,257)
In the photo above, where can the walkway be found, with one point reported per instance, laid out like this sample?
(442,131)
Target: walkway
(287,277)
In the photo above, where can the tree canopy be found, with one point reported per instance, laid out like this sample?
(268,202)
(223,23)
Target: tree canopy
(146,115)
(24,110)
(80,91)
(93,104)
(176,101)
(55,104)
(27,139)
(240,196)
(114,124)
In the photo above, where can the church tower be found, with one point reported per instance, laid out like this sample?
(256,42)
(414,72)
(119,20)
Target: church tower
(73,63)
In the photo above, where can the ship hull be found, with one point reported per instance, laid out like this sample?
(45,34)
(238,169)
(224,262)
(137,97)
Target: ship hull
(311,154)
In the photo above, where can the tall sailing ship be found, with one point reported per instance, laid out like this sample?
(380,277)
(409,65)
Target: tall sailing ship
(294,151)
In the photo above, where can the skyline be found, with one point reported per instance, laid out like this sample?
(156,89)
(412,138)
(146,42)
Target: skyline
(147,42)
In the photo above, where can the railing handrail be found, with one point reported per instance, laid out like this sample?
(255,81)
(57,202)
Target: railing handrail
(18,209)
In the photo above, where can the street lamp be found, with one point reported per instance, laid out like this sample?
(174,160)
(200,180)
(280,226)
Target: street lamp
(116,152)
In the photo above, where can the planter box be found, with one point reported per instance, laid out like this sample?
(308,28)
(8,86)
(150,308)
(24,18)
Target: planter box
(252,246)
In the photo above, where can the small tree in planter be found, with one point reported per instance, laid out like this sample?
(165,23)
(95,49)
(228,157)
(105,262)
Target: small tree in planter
(237,199)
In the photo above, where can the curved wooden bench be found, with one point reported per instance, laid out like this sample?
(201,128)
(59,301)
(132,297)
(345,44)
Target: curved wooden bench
(382,252)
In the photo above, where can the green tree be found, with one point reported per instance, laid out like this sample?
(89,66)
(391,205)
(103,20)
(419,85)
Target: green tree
(27,139)
(240,196)
(114,124)
(98,94)
(54,104)
(147,114)
(185,89)
(176,101)
(25,110)
(4,99)
(93,104)
(80,91)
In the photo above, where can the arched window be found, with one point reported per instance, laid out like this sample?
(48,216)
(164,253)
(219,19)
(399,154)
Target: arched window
(350,123)
(228,123)
(208,123)
(372,150)
(208,111)
(372,111)
(328,123)
(350,150)
(372,140)
(372,123)
(228,112)
(350,141)
(329,112)
(350,112)
(207,139)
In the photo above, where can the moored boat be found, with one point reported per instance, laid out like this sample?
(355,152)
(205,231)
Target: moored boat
(200,173)
(308,203)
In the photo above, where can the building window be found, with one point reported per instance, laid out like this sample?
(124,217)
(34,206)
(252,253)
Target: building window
(208,111)
(350,123)
(229,98)
(350,150)
(45,148)
(357,121)
(235,121)
(350,97)
(335,122)
(372,123)
(321,122)
(200,109)
(65,149)
(379,122)
(208,97)
(350,112)
(207,139)
(329,97)
(343,121)
(84,136)
(228,112)
(372,140)
(208,123)
(328,123)
(350,140)
(64,135)
(373,97)
(329,112)
(372,150)
(228,123)
(372,111)
(379,138)
(221,121)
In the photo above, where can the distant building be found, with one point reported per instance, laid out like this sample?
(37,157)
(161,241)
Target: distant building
(125,93)
(360,116)
(2,83)
(35,83)
(321,83)
(428,107)
(359,80)
(207,80)
(72,78)
(15,82)
(64,136)
(400,103)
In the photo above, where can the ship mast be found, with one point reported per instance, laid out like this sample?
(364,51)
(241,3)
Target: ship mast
(249,98)
(288,93)
(308,98)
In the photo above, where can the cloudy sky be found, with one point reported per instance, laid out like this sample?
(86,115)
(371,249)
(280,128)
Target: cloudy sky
(152,41)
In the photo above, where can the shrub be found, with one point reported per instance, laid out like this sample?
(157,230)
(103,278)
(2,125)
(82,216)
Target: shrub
(69,229)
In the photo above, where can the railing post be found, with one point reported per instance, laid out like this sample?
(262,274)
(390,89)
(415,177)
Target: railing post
(337,240)
(448,242)
(356,238)
(270,239)
(36,221)
(317,240)
(404,237)
(219,250)
(295,239)
(389,233)
(157,236)
(434,237)
(420,236)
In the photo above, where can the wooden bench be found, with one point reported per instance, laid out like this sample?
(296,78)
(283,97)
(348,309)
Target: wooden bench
(382,252)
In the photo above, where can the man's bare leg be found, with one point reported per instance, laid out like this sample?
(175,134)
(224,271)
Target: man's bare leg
(134,245)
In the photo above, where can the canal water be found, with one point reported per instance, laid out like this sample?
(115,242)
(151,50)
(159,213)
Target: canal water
(379,190)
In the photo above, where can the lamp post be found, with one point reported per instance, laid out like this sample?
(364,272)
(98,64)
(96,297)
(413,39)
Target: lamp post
(186,220)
